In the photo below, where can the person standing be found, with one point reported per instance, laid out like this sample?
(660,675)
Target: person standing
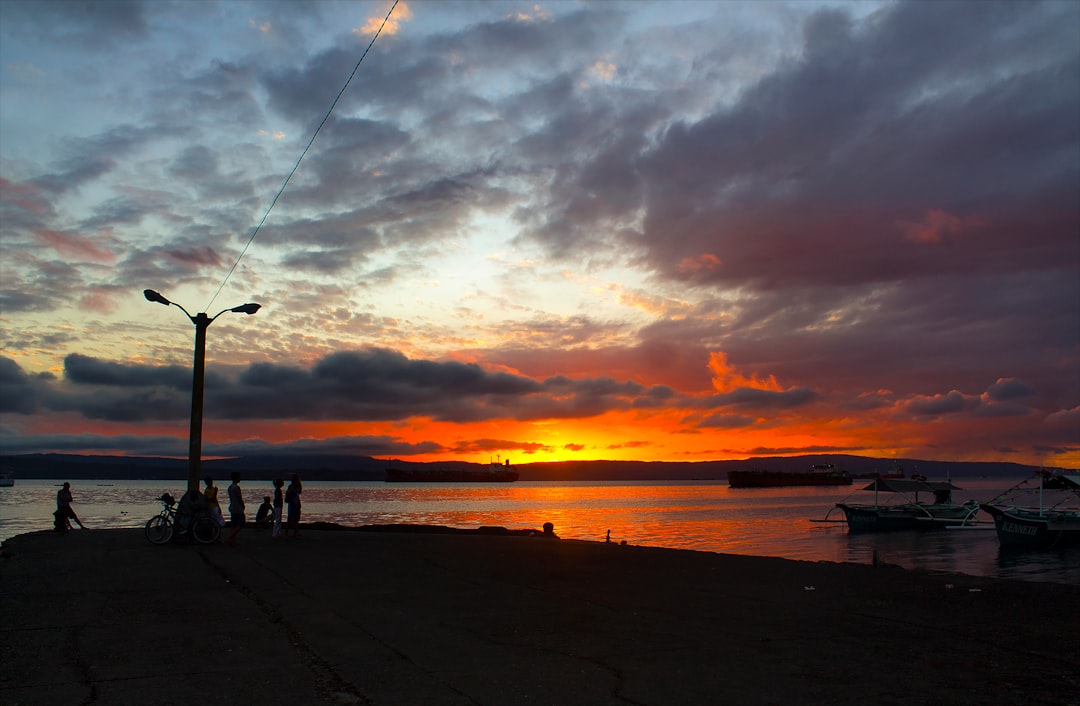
(63,509)
(292,500)
(212,501)
(279,506)
(236,508)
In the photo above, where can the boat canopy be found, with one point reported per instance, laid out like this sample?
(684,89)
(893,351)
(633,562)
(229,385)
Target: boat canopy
(1062,482)
(906,485)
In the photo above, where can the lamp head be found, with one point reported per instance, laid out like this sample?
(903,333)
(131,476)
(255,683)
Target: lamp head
(152,296)
(249,308)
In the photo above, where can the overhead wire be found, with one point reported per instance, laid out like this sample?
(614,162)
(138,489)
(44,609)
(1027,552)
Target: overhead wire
(302,155)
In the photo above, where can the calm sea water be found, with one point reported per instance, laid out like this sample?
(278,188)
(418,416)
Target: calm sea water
(706,516)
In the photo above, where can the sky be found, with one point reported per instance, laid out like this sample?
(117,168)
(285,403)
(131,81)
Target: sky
(538,231)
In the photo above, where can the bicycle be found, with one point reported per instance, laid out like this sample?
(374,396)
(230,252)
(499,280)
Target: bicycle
(164,526)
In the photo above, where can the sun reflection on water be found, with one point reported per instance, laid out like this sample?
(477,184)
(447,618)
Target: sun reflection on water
(706,516)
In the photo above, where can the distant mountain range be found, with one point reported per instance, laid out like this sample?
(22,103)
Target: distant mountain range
(363,468)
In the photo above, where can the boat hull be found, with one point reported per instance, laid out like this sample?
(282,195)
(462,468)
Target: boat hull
(1019,528)
(912,516)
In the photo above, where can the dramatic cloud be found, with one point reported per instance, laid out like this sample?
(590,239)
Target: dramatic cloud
(641,230)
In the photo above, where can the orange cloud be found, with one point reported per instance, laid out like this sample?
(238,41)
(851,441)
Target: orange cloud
(603,70)
(936,224)
(726,378)
(704,262)
(401,13)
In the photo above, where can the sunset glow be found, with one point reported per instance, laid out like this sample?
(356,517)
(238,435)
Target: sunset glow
(544,231)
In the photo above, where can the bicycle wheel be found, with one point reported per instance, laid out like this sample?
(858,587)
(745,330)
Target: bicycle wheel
(206,530)
(158,530)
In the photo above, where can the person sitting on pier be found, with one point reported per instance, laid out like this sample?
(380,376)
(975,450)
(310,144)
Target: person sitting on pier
(264,516)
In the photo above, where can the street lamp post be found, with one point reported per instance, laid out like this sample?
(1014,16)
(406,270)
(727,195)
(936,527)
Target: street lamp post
(202,322)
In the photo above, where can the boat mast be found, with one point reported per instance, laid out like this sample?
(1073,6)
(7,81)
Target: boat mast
(1042,486)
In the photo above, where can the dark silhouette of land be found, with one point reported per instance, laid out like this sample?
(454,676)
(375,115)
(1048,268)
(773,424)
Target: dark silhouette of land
(365,468)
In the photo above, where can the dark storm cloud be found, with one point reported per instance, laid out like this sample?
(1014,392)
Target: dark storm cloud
(84,370)
(346,158)
(165,446)
(824,161)
(371,384)
(421,213)
(293,91)
(153,445)
(752,398)
(19,300)
(89,158)
(223,91)
(91,23)
(195,163)
(46,286)
(422,195)
(324,261)
(1004,390)
(951,402)
(343,445)
(437,64)
(21,393)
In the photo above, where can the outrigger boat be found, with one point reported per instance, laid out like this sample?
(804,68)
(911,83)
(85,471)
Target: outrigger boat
(1038,526)
(913,514)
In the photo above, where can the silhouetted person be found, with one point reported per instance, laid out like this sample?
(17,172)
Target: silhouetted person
(292,501)
(236,508)
(264,516)
(549,530)
(64,513)
(212,501)
(192,504)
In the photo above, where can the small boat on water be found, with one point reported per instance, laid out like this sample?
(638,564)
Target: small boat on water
(495,472)
(911,512)
(1054,521)
(819,474)
(7,478)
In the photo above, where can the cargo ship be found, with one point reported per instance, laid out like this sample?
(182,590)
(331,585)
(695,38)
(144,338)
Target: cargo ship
(495,472)
(819,474)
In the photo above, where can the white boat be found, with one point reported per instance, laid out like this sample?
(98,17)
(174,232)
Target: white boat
(7,479)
